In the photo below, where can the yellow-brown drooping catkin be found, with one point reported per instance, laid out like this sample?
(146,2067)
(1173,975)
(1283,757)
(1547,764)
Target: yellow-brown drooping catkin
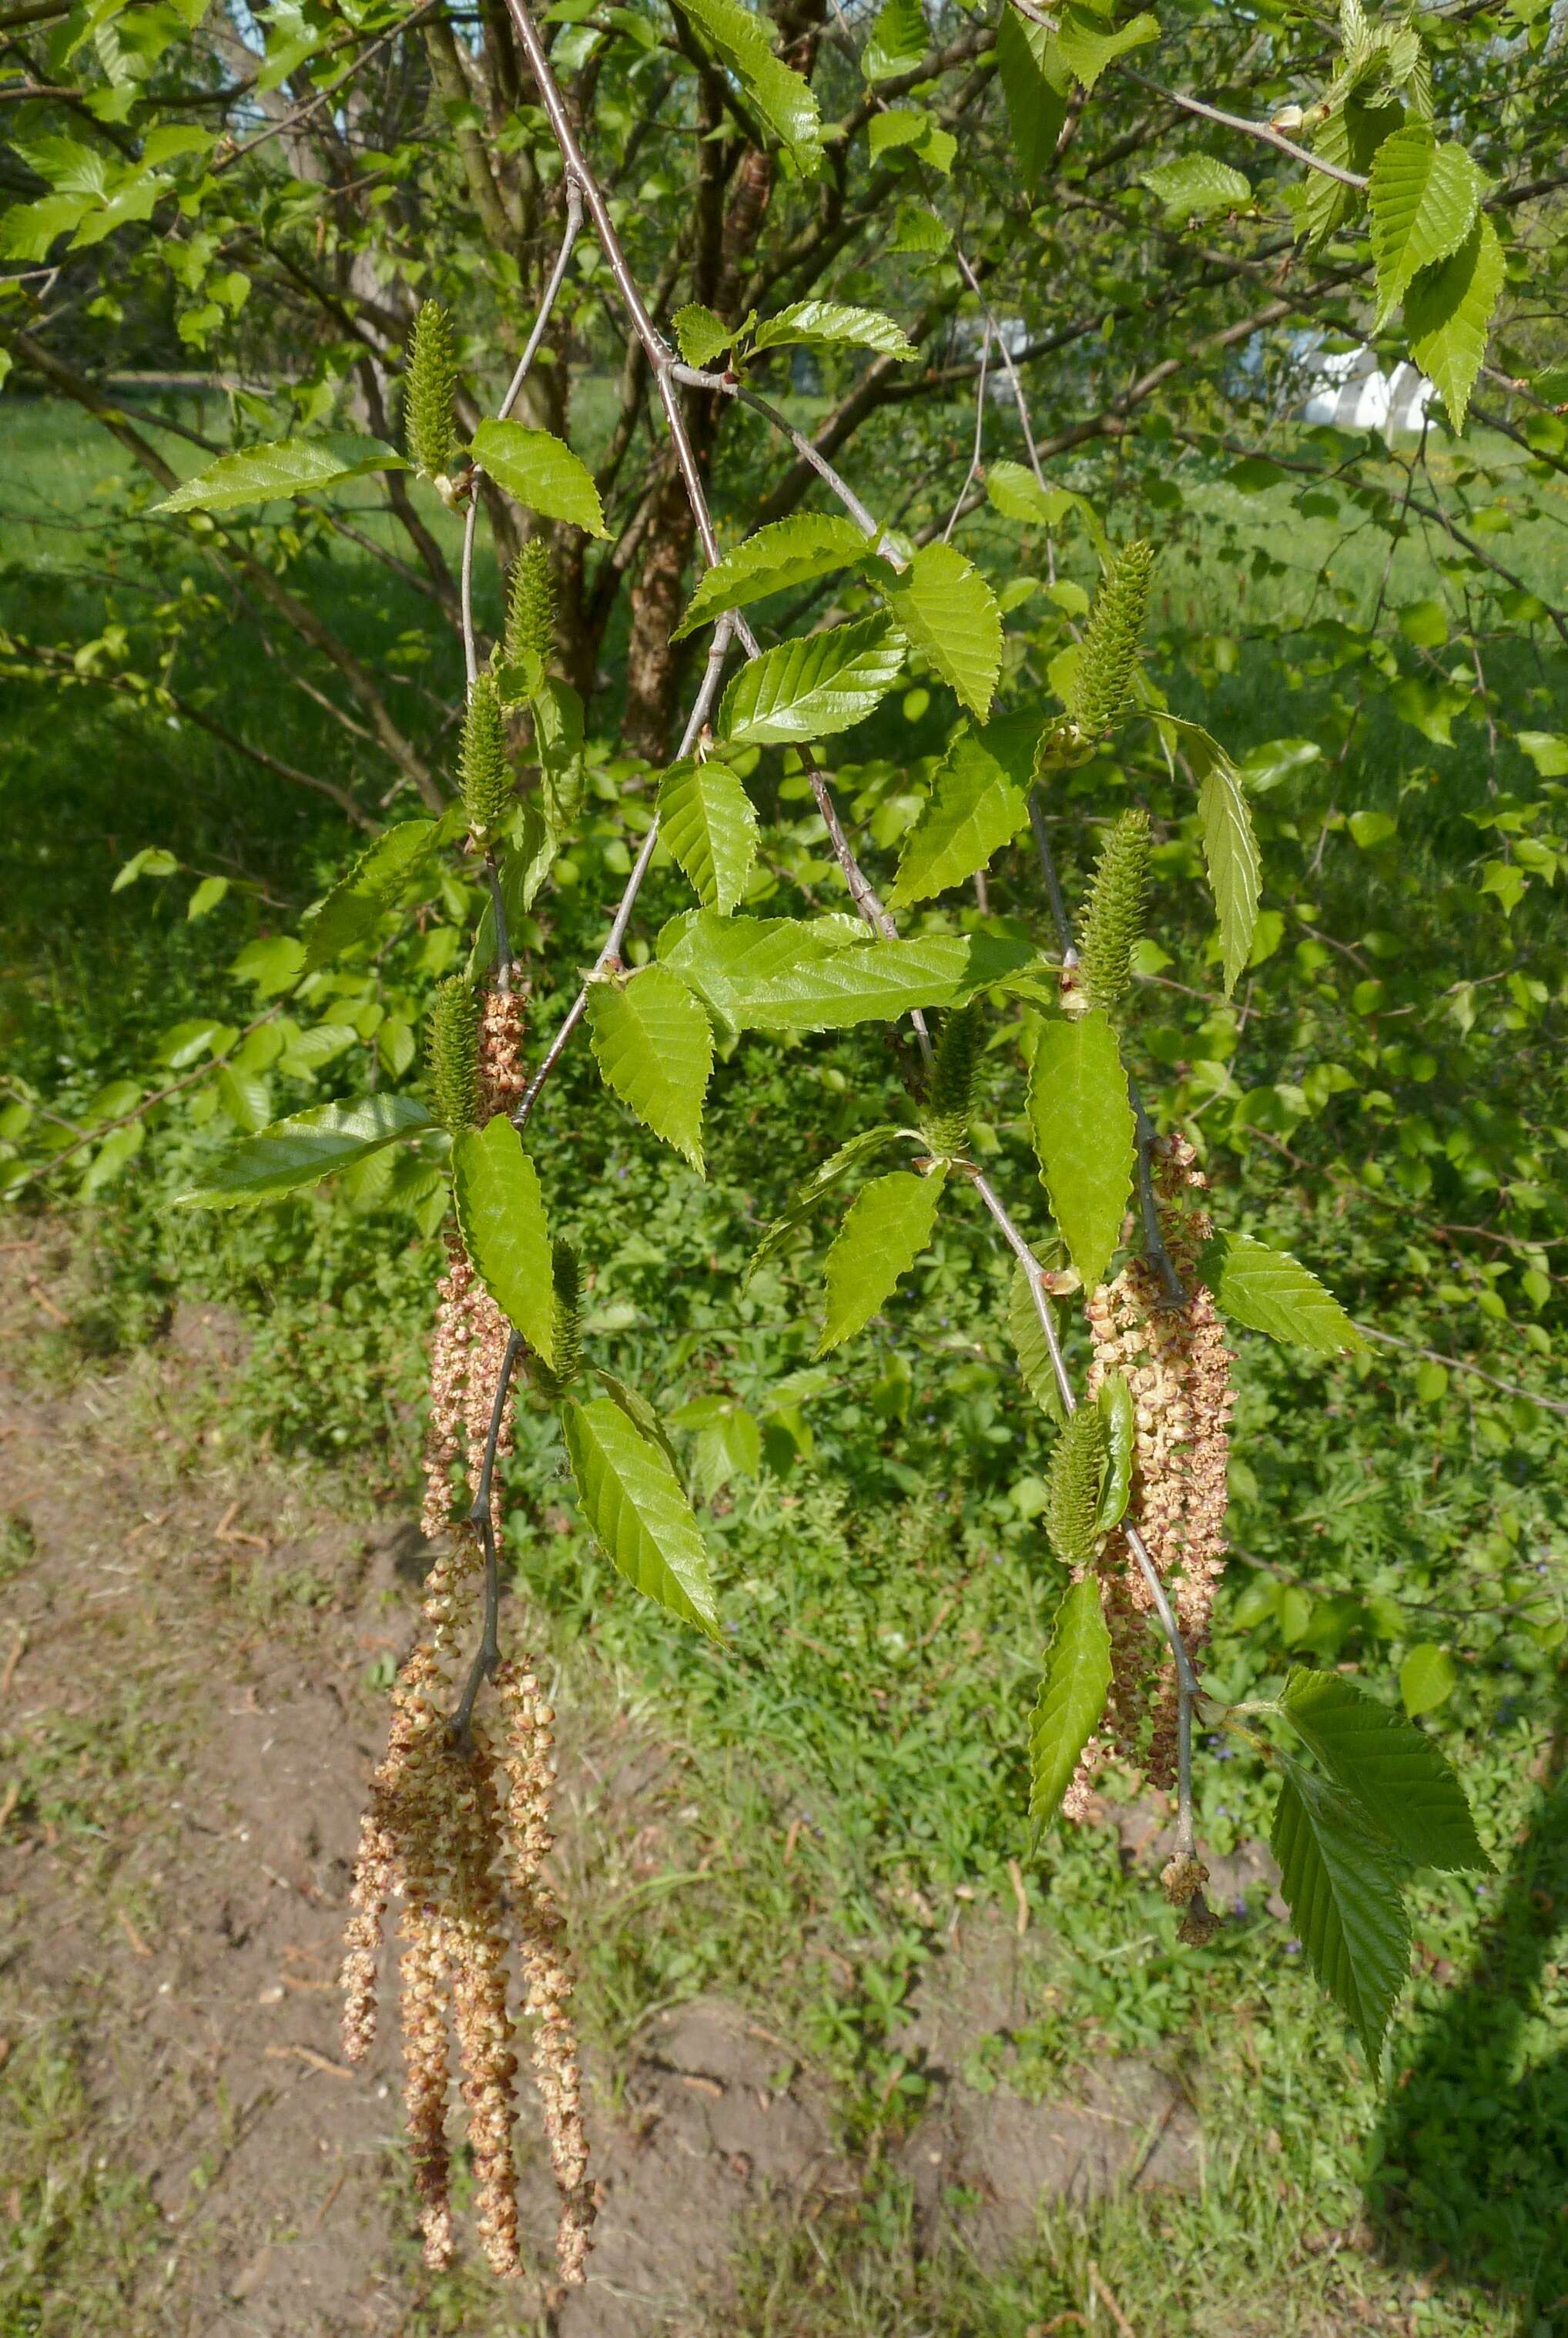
(1177,1367)
(502,1078)
(467,1349)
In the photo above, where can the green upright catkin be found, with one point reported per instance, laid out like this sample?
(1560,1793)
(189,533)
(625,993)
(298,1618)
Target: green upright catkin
(566,1282)
(1113,920)
(530,603)
(951,1098)
(1102,691)
(428,391)
(451,1042)
(482,766)
(1072,1487)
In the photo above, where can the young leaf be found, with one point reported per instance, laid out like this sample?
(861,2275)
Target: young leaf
(711,827)
(1017,494)
(809,688)
(654,1046)
(899,40)
(1115,1406)
(1082,1122)
(1035,86)
(978,802)
(1447,311)
(501,1217)
(1268,1291)
(839,1165)
(1197,187)
(304,1148)
(787,553)
(1341,1885)
(355,906)
(1427,1678)
(1235,869)
(778,93)
(288,466)
(1088,45)
(946,610)
(887,1227)
(830,324)
(1397,1777)
(1073,1692)
(700,335)
(773,974)
(638,1511)
(539,471)
(1029,1345)
(1424,199)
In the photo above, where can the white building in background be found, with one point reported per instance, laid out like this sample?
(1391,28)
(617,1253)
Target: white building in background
(1350,392)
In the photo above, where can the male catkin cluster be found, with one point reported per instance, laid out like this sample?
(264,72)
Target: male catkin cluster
(1113,922)
(951,1098)
(429,389)
(530,603)
(483,769)
(1103,689)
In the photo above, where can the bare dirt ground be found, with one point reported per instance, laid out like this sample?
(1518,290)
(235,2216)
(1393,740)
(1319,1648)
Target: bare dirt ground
(186,1723)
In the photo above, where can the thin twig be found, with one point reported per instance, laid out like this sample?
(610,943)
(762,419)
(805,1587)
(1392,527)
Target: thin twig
(973,473)
(725,385)
(1461,1364)
(488,1654)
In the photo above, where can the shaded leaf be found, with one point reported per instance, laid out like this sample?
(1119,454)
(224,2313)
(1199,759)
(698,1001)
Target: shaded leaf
(1341,1885)
(304,1148)
(1073,1692)
(1087,42)
(1447,311)
(860,1149)
(355,906)
(1029,1345)
(887,1227)
(1197,187)
(638,1510)
(1082,1122)
(1398,1778)
(1035,86)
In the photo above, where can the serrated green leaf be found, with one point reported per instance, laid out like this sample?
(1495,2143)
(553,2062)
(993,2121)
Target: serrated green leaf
(1268,1291)
(899,40)
(778,93)
(706,819)
(809,688)
(1341,1885)
(355,906)
(501,1217)
(1397,1777)
(1197,187)
(1115,1408)
(699,335)
(978,802)
(860,1149)
(1422,200)
(1349,136)
(638,1510)
(946,610)
(1029,1345)
(786,553)
(654,1046)
(1087,43)
(1082,1122)
(1447,311)
(887,1227)
(1229,847)
(288,466)
(1017,494)
(1073,1687)
(539,471)
(304,1148)
(1428,1678)
(778,974)
(1035,86)
(830,324)
(919,232)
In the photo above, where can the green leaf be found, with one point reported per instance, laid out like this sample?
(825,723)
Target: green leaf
(1397,1777)
(946,611)
(885,1230)
(706,819)
(1115,1408)
(1197,187)
(206,898)
(1341,1885)
(1428,1678)
(830,324)
(1268,1291)
(501,1217)
(288,466)
(1229,847)
(1017,494)
(355,906)
(304,1148)
(978,802)
(1086,43)
(1035,86)
(1081,1124)
(899,40)
(919,232)
(1424,199)
(1073,1692)
(1447,311)
(778,93)
(638,1511)
(539,471)
(1028,1337)
(865,1146)
(780,974)
(807,689)
(786,553)
(654,1046)
(152,861)
(700,335)
(895,126)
